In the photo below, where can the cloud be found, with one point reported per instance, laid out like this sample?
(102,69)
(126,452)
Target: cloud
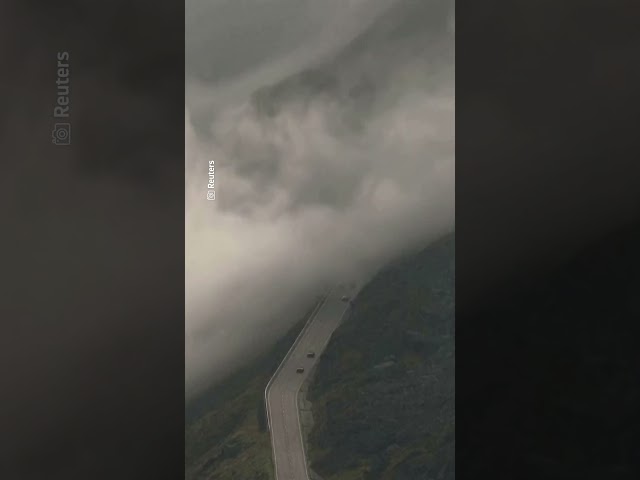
(325,175)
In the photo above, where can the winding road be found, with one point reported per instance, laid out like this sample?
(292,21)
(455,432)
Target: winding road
(282,392)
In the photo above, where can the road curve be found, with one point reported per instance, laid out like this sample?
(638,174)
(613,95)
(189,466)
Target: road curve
(282,392)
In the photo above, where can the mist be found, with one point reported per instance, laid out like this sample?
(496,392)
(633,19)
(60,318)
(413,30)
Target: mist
(331,158)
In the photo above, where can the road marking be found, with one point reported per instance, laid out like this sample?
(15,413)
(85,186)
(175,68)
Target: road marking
(266,390)
(304,340)
(275,374)
(304,452)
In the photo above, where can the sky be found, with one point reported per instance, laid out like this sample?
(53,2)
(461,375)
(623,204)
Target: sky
(328,188)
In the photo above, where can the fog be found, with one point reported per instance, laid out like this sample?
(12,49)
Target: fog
(314,185)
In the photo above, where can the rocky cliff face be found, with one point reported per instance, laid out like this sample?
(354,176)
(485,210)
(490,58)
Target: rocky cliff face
(383,393)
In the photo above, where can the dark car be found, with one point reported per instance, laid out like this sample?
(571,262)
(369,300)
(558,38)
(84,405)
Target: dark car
(311,354)
(345,298)
(299,369)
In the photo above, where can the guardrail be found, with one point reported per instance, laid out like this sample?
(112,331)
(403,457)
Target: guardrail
(275,374)
(308,380)
(312,316)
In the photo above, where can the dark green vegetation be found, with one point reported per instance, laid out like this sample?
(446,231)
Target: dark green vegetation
(225,433)
(384,391)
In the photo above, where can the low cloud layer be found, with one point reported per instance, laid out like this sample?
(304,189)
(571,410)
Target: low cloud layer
(323,177)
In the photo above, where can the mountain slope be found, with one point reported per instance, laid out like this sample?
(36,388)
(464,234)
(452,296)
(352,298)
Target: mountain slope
(383,394)
(226,434)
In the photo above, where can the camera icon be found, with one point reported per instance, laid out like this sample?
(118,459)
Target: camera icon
(61,134)
(211,195)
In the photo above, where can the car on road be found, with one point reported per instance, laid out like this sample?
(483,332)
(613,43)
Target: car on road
(300,370)
(311,354)
(345,298)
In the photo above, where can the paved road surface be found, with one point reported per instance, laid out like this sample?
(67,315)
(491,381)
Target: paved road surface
(286,435)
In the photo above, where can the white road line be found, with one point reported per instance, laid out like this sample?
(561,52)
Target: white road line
(312,316)
(304,451)
(266,390)
(309,331)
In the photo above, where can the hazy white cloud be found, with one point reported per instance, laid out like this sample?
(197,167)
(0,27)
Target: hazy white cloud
(320,190)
